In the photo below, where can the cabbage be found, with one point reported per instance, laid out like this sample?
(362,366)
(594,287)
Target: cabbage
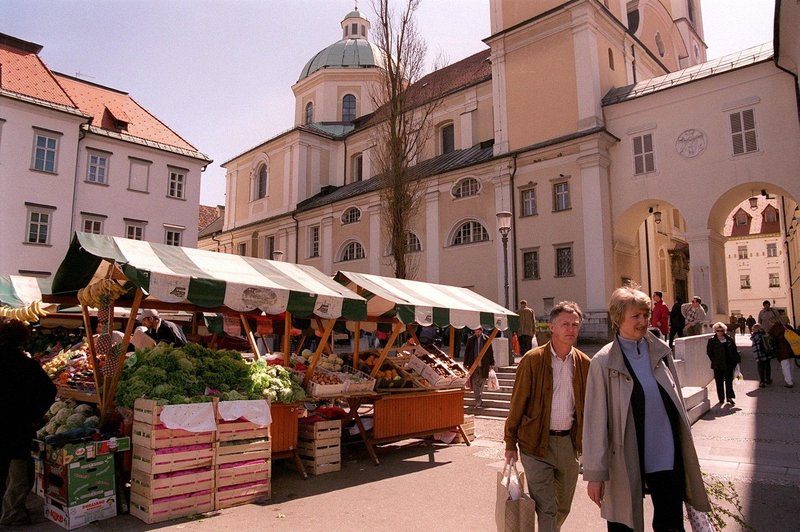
(61,416)
(55,407)
(92,422)
(85,409)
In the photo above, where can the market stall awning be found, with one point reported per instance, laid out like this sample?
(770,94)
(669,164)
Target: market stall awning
(207,279)
(428,303)
(19,290)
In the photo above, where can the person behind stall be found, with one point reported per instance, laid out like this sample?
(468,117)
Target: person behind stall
(26,392)
(474,345)
(762,355)
(162,330)
(722,352)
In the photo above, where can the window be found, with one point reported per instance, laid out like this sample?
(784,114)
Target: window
(610,59)
(351,215)
(45,151)
(564,261)
(260,183)
(172,237)
(743,132)
(352,251)
(744,282)
(241,249)
(742,252)
(177,184)
(413,244)
(357,168)
(309,113)
(348,108)
(448,138)
(313,241)
(772,249)
(354,28)
(643,154)
(561,201)
(470,232)
(134,230)
(40,218)
(93,225)
(770,215)
(96,168)
(774,280)
(530,264)
(741,218)
(466,187)
(528,201)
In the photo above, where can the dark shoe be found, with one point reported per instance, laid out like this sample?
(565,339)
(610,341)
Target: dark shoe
(731,402)
(479,404)
(788,385)
(762,384)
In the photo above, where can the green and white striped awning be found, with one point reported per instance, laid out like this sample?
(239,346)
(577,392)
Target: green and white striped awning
(172,274)
(428,303)
(18,291)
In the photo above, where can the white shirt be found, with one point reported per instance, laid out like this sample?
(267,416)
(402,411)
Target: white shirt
(562,411)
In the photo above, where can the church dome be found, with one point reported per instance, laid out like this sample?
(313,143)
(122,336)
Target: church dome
(353,51)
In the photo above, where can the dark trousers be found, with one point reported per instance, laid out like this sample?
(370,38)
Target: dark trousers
(724,380)
(764,371)
(666,490)
(525,343)
(673,332)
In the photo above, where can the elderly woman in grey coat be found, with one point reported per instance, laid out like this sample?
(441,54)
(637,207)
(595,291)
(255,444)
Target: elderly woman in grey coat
(636,434)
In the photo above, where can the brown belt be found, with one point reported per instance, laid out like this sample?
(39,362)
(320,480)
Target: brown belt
(560,432)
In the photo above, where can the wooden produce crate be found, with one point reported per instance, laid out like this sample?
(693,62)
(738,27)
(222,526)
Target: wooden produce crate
(159,437)
(469,428)
(157,510)
(155,461)
(232,474)
(320,446)
(242,450)
(240,430)
(228,496)
(167,485)
(320,430)
(147,411)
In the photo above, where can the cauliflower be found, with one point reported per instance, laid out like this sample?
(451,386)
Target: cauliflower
(85,409)
(75,420)
(61,416)
(55,407)
(92,422)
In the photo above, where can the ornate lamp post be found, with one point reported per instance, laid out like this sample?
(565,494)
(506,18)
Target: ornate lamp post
(504,226)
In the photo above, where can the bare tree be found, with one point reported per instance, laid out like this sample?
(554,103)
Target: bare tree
(403,124)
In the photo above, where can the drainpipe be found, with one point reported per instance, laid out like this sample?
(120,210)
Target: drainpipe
(296,238)
(788,258)
(514,231)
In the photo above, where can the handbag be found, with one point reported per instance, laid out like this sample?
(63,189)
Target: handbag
(515,511)
(698,520)
(794,341)
(492,382)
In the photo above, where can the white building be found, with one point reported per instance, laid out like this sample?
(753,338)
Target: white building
(76,156)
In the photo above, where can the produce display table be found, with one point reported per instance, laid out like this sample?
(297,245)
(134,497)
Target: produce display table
(283,433)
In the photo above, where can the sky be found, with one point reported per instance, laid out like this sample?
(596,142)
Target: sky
(219,72)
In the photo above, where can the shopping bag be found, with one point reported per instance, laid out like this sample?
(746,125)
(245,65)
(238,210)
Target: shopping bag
(513,514)
(515,345)
(492,382)
(794,340)
(738,378)
(698,520)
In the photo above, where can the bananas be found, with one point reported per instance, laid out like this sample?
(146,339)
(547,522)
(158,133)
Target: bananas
(99,293)
(24,314)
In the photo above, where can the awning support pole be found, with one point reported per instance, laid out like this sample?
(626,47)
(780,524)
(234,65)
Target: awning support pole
(249,332)
(483,351)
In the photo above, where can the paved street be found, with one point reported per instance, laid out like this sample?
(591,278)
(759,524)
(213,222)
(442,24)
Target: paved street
(426,485)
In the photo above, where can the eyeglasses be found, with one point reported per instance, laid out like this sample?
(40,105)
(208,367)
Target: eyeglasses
(719,330)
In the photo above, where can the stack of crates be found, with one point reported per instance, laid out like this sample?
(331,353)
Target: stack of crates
(469,429)
(243,457)
(173,470)
(80,491)
(320,446)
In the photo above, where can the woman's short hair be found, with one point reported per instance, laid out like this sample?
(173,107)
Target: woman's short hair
(565,306)
(719,325)
(13,333)
(623,298)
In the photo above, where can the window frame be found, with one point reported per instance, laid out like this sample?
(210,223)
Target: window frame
(447,138)
(473,235)
(134,226)
(173,236)
(351,215)
(558,196)
(774,279)
(557,249)
(413,242)
(314,238)
(525,202)
(351,251)
(48,135)
(742,253)
(99,168)
(744,282)
(349,109)
(39,210)
(466,187)
(742,134)
(176,183)
(309,113)
(260,183)
(644,160)
(357,167)
(536,271)
(741,218)
(97,223)
(241,249)
(772,249)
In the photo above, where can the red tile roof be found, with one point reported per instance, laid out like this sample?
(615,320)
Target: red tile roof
(207,216)
(22,71)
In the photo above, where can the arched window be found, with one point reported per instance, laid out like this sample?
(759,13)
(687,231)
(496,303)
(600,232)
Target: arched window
(348,108)
(448,138)
(470,232)
(468,186)
(260,185)
(309,113)
(351,215)
(413,245)
(352,251)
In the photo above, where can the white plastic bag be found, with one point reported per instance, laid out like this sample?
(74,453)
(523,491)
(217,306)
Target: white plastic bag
(738,378)
(492,382)
(511,481)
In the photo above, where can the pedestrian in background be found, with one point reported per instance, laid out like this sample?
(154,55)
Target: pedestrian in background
(546,417)
(783,352)
(695,316)
(768,316)
(750,322)
(762,356)
(722,352)
(676,322)
(474,345)
(660,316)
(527,327)
(636,434)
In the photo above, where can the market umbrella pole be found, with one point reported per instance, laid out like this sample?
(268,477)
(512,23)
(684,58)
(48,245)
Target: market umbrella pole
(249,332)
(87,324)
(126,339)
(485,348)
(396,330)
(314,359)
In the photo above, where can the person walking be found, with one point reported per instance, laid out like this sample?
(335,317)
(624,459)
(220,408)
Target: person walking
(762,355)
(676,322)
(742,324)
(546,417)
(768,316)
(527,327)
(636,433)
(721,351)
(750,322)
(478,379)
(660,316)
(783,352)
(695,316)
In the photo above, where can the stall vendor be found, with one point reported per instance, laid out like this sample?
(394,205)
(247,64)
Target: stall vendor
(162,330)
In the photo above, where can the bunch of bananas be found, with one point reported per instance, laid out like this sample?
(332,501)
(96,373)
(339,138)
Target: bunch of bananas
(25,314)
(103,291)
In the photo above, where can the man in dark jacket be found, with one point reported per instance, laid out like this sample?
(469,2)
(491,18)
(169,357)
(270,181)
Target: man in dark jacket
(676,321)
(162,330)
(27,392)
(474,346)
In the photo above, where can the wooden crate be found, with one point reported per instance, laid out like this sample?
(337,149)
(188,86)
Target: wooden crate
(157,510)
(316,467)
(150,461)
(240,430)
(149,487)
(147,411)
(469,427)
(320,430)
(241,452)
(311,449)
(242,494)
(242,473)
(159,437)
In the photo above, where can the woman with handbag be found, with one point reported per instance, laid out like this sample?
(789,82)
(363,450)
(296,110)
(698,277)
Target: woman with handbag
(721,350)
(783,352)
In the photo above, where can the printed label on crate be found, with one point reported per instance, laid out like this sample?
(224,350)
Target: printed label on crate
(71,517)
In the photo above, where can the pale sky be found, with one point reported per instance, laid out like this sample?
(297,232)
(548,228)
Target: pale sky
(219,72)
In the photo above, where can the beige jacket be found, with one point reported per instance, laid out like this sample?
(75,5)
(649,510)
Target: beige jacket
(610,453)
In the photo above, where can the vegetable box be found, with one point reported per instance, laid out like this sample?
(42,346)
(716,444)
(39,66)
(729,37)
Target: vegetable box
(81,481)
(71,452)
(72,517)
(163,509)
(164,485)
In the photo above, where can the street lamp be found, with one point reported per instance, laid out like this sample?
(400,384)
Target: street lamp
(504,226)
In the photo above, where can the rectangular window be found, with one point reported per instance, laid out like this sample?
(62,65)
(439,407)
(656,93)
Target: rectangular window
(39,221)
(313,241)
(643,154)
(96,168)
(742,252)
(744,282)
(269,247)
(561,201)
(448,138)
(774,280)
(743,132)
(139,176)
(172,237)
(530,260)
(93,225)
(357,169)
(564,261)
(242,249)
(134,231)
(772,250)
(177,184)
(45,151)
(528,201)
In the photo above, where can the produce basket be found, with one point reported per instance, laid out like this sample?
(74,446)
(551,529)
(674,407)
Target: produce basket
(324,383)
(356,381)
